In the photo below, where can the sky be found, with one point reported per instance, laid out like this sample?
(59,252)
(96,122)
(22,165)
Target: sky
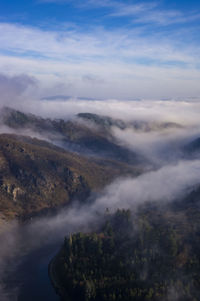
(103,49)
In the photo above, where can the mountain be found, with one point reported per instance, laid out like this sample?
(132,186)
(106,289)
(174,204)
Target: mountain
(106,122)
(193,147)
(87,133)
(73,135)
(36,175)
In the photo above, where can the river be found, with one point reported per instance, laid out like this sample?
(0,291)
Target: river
(26,250)
(29,281)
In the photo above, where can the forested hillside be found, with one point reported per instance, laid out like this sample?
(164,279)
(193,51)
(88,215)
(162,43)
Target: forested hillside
(75,135)
(36,175)
(153,254)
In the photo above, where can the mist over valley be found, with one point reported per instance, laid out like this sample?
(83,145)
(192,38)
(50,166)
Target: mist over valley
(59,176)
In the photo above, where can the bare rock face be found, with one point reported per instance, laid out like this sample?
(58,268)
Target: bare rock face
(17,192)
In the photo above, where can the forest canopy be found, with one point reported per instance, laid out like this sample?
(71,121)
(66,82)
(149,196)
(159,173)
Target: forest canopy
(149,255)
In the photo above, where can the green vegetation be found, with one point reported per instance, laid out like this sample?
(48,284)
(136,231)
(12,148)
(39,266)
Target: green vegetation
(151,255)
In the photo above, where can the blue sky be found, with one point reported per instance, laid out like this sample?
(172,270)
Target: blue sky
(103,49)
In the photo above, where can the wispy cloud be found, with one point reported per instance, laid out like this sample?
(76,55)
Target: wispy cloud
(127,62)
(98,43)
(162,17)
(125,9)
(129,59)
(140,12)
(152,13)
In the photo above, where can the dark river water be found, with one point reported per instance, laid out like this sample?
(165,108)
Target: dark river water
(25,253)
(30,280)
(35,282)
(27,249)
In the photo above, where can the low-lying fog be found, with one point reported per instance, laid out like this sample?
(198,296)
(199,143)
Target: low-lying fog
(175,176)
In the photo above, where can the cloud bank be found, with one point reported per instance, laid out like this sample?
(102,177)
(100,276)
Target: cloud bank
(13,88)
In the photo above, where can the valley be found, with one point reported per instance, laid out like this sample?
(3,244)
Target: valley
(72,178)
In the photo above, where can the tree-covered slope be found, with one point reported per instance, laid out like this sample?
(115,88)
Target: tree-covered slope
(74,135)
(36,175)
(153,254)
(106,123)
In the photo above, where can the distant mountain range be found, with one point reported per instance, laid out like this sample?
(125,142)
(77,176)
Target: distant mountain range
(66,97)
